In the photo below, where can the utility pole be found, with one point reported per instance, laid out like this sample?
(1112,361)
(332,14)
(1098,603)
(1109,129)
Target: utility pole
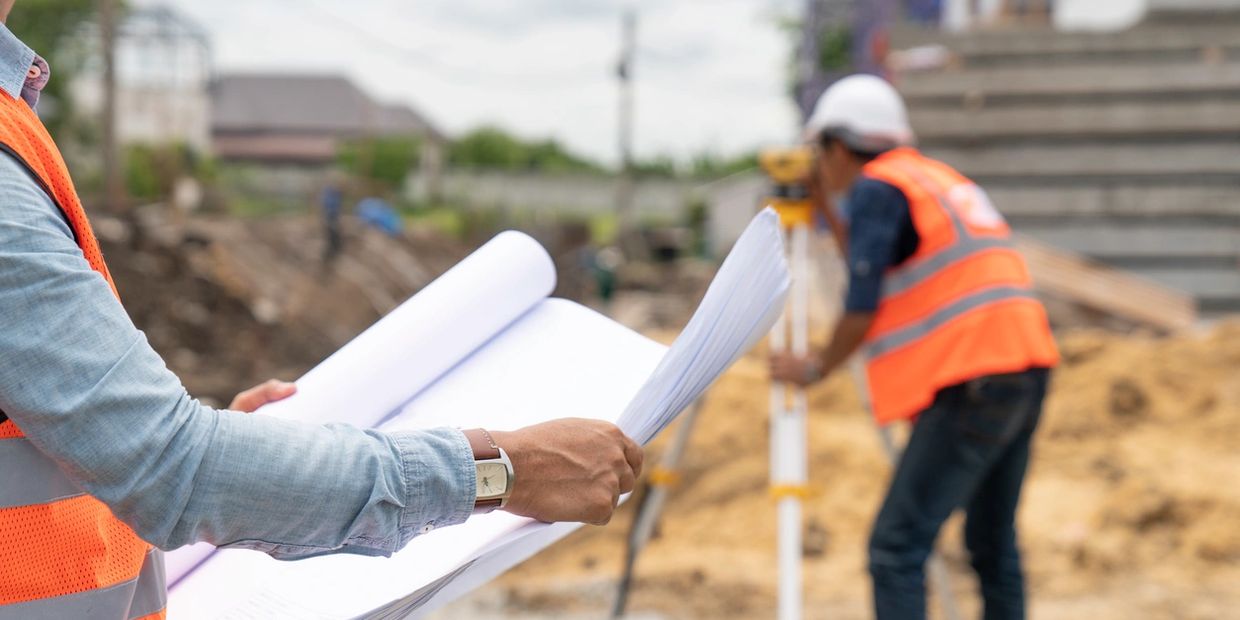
(113,191)
(624,73)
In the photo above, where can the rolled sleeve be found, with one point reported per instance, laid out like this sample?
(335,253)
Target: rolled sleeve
(88,391)
(878,224)
(433,463)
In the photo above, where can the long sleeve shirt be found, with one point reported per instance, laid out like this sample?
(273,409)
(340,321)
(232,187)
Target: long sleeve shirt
(881,236)
(87,389)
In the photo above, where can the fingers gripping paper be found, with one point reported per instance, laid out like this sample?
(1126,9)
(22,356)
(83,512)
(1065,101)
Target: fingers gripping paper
(484,346)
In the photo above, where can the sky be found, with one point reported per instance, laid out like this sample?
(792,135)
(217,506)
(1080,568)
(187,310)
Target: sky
(709,76)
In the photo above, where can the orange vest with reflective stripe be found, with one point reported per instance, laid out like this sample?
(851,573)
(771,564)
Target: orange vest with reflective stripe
(962,306)
(62,552)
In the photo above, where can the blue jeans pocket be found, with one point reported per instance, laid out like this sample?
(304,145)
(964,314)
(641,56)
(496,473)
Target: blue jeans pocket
(997,407)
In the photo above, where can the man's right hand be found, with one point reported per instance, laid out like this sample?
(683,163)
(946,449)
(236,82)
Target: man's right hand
(570,470)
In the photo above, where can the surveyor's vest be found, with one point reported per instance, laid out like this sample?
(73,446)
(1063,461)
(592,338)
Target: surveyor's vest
(62,552)
(962,306)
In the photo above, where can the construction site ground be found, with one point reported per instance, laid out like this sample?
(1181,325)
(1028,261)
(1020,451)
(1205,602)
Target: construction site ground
(1130,510)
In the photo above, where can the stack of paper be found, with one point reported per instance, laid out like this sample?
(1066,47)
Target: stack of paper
(484,346)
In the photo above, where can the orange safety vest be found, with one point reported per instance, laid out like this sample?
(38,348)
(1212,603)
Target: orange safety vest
(62,552)
(962,306)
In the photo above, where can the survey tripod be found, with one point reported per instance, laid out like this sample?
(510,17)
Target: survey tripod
(788,170)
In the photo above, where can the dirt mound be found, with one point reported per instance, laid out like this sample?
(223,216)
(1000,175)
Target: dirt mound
(231,302)
(1130,510)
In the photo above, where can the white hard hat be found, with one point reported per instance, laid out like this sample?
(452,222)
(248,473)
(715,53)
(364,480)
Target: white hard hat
(865,112)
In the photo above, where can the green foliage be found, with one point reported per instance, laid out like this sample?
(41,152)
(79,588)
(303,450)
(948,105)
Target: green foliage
(835,49)
(711,166)
(549,156)
(386,161)
(492,148)
(46,26)
(151,171)
(444,219)
(659,166)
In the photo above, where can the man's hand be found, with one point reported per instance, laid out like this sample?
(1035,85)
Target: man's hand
(790,368)
(260,395)
(570,470)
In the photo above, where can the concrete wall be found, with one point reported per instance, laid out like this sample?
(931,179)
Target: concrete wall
(569,194)
(731,201)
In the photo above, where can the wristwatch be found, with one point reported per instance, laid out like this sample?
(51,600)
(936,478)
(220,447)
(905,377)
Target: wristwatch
(494,472)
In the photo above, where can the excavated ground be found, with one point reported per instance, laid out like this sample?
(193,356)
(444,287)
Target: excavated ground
(1131,508)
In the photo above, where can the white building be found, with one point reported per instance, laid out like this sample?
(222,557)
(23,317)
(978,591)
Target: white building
(163,74)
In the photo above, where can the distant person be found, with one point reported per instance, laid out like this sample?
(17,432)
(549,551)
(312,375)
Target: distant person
(941,307)
(331,200)
(105,458)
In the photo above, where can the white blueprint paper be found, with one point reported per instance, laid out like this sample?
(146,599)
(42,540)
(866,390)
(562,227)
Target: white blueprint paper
(550,359)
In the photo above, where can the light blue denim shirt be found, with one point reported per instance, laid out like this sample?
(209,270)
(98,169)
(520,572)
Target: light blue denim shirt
(86,388)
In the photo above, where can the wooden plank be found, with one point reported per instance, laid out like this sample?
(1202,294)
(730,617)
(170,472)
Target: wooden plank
(1068,275)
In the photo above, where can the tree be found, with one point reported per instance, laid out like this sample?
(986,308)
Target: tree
(492,148)
(657,167)
(710,166)
(386,161)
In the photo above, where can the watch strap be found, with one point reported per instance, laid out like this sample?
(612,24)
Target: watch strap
(484,506)
(482,444)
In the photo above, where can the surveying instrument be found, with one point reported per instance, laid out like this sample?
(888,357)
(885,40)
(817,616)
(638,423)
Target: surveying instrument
(789,171)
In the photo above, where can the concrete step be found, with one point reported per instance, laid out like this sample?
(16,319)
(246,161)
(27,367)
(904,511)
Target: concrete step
(1213,120)
(1148,164)
(1043,46)
(1026,85)
(1217,290)
(1119,204)
(1112,242)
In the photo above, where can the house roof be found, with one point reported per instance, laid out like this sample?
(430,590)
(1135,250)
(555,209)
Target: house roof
(306,103)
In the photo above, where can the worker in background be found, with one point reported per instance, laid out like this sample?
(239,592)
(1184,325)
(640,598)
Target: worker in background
(331,201)
(104,458)
(940,307)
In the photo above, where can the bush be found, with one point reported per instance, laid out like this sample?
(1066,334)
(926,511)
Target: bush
(385,161)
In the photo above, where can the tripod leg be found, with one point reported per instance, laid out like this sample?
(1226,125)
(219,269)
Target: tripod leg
(651,506)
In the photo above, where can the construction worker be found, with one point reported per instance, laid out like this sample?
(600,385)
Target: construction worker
(104,458)
(953,340)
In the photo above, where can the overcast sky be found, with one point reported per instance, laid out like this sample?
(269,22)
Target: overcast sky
(710,74)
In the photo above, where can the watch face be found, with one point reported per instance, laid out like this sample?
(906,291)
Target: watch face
(492,480)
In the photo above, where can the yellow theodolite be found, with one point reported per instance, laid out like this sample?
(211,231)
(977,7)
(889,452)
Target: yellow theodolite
(789,169)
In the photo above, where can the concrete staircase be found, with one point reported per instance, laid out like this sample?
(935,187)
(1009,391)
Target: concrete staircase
(1124,146)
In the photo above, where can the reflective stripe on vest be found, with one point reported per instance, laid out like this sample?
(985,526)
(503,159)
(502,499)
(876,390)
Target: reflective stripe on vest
(27,476)
(916,331)
(63,554)
(912,273)
(141,597)
(961,307)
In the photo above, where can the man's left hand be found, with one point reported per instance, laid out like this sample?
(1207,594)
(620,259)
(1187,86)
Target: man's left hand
(257,396)
(795,369)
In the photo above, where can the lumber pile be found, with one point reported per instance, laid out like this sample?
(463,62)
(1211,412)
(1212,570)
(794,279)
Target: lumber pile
(1069,276)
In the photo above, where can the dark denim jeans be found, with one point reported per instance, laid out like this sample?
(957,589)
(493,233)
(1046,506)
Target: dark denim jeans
(968,450)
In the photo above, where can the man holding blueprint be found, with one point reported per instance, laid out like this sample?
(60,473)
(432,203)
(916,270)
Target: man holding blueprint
(104,457)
